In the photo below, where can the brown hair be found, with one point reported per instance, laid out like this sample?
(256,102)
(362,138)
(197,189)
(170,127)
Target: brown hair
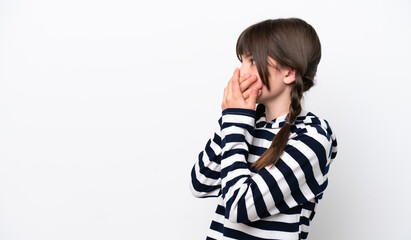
(292,42)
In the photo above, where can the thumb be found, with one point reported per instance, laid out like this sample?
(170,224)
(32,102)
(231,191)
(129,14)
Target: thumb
(251,101)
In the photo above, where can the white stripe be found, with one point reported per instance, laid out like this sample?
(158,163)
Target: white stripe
(234,118)
(235,146)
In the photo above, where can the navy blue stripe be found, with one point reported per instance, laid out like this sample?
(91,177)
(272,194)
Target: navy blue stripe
(258,151)
(235,137)
(309,206)
(249,128)
(220,210)
(304,235)
(217,139)
(282,206)
(298,130)
(211,154)
(232,167)
(235,151)
(321,131)
(275,226)
(305,220)
(324,186)
(239,111)
(264,134)
(318,197)
(327,167)
(334,143)
(312,215)
(208,238)
(259,124)
(220,121)
(292,211)
(199,187)
(205,170)
(217,226)
(291,181)
(329,130)
(242,215)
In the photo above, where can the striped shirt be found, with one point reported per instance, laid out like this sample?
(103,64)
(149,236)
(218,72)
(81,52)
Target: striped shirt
(276,202)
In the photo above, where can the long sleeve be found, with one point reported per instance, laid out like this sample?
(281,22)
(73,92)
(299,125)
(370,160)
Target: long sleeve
(300,174)
(205,174)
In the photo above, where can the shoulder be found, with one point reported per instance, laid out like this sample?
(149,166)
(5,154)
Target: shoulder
(310,123)
(311,128)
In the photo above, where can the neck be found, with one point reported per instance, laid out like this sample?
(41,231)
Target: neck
(277,107)
(274,110)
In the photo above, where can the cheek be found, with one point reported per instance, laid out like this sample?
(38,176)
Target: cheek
(248,69)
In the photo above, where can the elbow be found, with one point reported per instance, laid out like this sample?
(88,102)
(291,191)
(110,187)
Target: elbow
(196,193)
(199,191)
(236,216)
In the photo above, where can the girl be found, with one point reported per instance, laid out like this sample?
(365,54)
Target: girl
(268,165)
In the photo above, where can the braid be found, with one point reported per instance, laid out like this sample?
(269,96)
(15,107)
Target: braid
(273,153)
(296,95)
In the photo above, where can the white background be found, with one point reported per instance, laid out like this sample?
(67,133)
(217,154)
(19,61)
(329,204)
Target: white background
(105,105)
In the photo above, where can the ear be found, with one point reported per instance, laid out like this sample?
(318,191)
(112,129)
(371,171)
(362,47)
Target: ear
(289,75)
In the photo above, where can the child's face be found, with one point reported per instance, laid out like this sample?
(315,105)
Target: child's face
(276,78)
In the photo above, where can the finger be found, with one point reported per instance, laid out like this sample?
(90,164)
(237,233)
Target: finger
(251,101)
(246,83)
(246,94)
(244,77)
(230,82)
(256,84)
(235,85)
(224,99)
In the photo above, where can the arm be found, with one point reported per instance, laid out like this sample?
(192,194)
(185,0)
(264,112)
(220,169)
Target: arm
(300,174)
(205,174)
